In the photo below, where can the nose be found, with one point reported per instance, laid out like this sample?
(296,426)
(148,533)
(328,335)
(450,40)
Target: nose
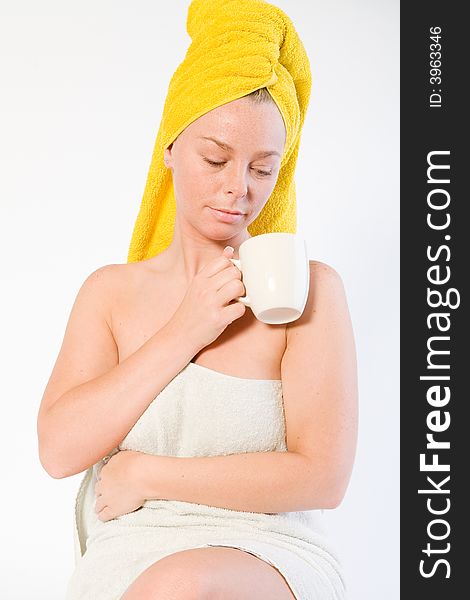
(235,182)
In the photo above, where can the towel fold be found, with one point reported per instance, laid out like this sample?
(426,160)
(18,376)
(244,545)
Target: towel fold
(238,46)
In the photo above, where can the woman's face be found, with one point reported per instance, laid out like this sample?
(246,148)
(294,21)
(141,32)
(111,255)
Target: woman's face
(237,174)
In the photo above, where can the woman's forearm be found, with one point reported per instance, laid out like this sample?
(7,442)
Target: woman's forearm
(88,421)
(266,482)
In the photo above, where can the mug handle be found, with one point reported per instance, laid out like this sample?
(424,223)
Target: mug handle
(243,299)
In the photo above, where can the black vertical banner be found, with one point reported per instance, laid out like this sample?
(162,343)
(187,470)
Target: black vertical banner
(434,260)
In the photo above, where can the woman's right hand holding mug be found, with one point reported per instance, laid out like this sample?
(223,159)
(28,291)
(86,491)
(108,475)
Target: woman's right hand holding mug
(207,308)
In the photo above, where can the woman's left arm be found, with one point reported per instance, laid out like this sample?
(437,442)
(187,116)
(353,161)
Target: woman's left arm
(319,380)
(321,387)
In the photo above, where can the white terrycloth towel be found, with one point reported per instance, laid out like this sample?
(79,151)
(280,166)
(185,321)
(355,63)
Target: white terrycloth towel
(202,412)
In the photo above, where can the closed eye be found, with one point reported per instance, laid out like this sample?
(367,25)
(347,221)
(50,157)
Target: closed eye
(219,164)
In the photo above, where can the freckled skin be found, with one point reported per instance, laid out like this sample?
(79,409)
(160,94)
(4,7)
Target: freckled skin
(237,184)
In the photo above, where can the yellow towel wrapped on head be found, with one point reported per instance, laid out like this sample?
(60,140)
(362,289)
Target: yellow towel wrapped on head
(238,46)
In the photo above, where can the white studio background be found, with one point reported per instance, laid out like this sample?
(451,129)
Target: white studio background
(82,87)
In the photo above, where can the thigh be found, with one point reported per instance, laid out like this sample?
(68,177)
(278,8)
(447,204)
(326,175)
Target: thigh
(240,575)
(214,573)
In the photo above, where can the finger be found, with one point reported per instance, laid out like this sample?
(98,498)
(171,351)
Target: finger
(234,311)
(103,514)
(214,266)
(108,515)
(232,290)
(230,273)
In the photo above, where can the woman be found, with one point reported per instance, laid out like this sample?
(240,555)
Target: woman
(224,437)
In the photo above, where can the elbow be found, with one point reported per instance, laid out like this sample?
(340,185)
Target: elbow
(51,468)
(336,496)
(317,500)
(334,501)
(55,463)
(336,484)
(325,493)
(50,453)
(45,452)
(50,464)
(321,498)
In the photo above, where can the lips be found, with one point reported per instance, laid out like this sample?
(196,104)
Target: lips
(224,216)
(230,212)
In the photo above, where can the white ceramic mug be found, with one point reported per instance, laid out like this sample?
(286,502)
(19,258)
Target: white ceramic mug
(276,275)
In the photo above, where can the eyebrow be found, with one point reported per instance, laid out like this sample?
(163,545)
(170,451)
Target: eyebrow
(224,146)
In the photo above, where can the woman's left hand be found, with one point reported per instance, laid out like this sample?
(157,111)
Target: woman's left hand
(117,490)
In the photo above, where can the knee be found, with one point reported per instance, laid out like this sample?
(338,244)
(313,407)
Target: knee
(174,583)
(174,577)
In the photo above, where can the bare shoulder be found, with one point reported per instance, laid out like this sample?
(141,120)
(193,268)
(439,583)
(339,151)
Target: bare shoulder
(326,288)
(100,286)
(326,301)
(104,277)
(109,283)
(323,270)
(324,277)
(123,274)
(114,274)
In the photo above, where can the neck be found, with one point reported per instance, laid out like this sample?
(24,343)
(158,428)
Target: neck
(189,251)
